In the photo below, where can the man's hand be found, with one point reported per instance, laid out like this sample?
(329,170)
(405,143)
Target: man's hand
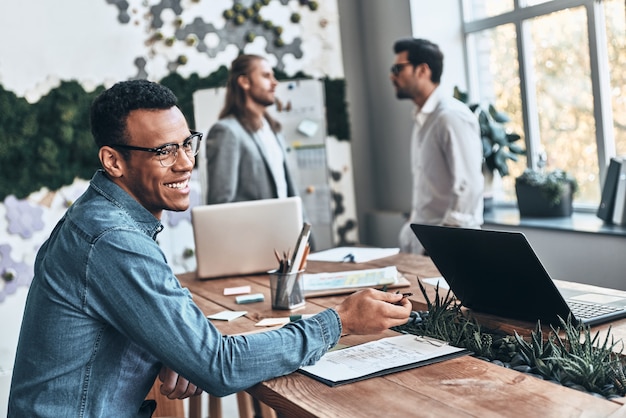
(175,386)
(371,311)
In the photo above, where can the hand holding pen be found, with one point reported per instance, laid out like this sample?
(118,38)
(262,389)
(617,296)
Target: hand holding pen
(370,311)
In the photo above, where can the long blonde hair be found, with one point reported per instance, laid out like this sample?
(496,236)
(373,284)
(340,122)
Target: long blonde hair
(235,101)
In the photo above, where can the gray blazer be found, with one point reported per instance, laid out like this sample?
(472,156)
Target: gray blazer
(238,167)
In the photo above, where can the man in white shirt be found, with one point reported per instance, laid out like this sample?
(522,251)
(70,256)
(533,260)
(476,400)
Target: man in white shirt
(446,150)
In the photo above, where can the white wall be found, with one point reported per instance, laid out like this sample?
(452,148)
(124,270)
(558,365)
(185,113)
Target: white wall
(45,42)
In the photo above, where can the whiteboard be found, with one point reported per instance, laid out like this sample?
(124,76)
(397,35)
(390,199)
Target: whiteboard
(301,111)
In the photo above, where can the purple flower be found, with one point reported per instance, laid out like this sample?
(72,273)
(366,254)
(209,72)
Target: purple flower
(23,218)
(12,273)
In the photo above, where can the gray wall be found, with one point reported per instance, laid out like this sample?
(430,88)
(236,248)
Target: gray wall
(580,257)
(378,122)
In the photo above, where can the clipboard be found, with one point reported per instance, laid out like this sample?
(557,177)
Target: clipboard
(379,358)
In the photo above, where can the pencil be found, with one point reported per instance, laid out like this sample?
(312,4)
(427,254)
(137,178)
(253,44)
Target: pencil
(304,256)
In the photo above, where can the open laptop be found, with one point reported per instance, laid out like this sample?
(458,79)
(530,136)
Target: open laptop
(499,273)
(240,238)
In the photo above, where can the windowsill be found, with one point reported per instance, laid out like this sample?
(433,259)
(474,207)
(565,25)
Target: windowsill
(578,222)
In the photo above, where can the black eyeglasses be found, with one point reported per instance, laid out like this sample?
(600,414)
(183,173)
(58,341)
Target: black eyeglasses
(396,68)
(168,153)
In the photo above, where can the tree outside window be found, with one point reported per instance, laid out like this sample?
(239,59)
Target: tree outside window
(547,66)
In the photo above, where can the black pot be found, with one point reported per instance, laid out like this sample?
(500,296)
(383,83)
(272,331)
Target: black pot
(531,202)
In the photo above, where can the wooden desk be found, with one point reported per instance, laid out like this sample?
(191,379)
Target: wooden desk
(462,387)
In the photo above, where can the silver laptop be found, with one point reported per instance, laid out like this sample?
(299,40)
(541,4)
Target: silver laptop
(239,238)
(498,272)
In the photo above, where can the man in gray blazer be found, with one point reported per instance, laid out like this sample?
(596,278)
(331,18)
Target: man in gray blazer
(245,150)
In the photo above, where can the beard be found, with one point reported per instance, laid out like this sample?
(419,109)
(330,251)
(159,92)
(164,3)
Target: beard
(263,99)
(401,92)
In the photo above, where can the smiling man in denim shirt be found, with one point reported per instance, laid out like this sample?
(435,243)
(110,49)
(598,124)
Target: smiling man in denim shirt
(105,314)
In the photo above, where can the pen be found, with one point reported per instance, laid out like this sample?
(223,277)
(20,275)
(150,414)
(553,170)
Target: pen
(404,295)
(348,258)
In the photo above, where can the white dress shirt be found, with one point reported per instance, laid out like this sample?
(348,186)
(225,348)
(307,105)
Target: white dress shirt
(275,157)
(446,164)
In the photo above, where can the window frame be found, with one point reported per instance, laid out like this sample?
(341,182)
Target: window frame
(599,63)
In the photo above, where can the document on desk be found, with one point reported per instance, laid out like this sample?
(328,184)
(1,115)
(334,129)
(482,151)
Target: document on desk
(348,279)
(378,358)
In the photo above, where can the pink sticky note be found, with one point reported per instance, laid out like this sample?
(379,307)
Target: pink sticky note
(241,290)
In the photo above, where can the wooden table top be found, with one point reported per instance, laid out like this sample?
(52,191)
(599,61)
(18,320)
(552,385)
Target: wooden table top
(462,387)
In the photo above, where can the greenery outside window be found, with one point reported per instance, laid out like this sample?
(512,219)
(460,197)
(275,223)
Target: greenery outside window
(556,67)
(616,45)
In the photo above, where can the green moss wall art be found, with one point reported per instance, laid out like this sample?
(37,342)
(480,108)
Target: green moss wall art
(46,144)
(49,143)
(47,153)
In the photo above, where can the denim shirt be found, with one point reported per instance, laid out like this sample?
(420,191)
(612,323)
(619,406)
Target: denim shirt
(105,312)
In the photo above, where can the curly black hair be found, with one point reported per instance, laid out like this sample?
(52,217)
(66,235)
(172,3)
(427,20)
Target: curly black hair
(110,109)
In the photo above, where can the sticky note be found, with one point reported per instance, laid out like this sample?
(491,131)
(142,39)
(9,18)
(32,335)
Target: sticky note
(241,290)
(227,315)
(255,297)
(271,322)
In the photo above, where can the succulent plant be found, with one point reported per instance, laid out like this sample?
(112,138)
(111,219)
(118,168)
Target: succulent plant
(552,183)
(569,355)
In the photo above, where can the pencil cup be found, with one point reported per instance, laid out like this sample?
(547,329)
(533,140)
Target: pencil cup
(286,289)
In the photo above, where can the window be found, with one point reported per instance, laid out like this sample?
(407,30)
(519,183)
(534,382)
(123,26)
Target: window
(557,67)
(479,9)
(616,47)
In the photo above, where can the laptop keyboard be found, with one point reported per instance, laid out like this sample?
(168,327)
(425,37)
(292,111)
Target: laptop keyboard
(591,310)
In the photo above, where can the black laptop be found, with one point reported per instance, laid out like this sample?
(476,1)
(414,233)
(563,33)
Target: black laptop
(498,272)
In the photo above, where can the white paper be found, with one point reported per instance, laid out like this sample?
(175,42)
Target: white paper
(387,353)
(352,254)
(227,315)
(272,322)
(434,280)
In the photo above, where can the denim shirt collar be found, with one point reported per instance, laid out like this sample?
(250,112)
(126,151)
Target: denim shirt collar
(146,221)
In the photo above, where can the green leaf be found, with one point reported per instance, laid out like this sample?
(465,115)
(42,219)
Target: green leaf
(498,134)
(512,137)
(498,116)
(516,149)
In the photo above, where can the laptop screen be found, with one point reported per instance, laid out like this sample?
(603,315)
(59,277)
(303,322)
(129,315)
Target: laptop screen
(240,238)
(493,272)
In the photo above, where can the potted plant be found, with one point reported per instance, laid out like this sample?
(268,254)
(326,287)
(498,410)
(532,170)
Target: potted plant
(545,194)
(499,145)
